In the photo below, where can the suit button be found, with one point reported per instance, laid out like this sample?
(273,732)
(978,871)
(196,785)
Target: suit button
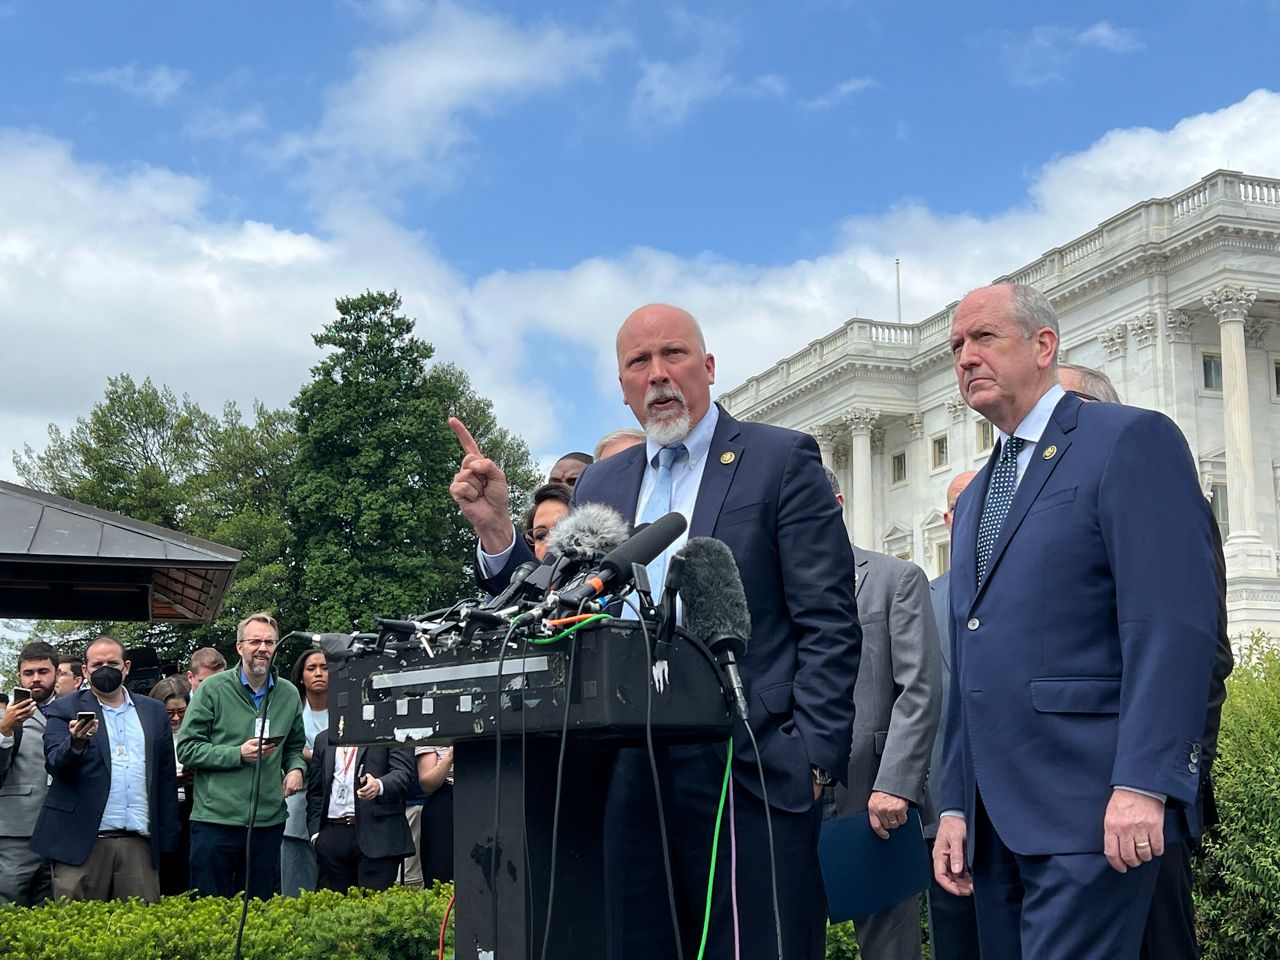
(974,623)
(1191,767)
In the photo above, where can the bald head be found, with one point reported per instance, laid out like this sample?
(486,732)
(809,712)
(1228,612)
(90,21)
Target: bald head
(954,489)
(665,371)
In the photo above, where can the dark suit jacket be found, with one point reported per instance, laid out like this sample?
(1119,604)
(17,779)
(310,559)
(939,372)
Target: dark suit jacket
(72,812)
(763,493)
(940,596)
(1083,661)
(381,829)
(898,690)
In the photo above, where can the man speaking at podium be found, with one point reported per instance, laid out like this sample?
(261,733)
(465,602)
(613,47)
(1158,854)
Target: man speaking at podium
(762,490)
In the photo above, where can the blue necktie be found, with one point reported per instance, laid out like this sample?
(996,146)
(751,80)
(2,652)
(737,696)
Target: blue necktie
(659,505)
(1004,482)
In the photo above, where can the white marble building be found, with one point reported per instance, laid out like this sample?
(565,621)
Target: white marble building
(1175,299)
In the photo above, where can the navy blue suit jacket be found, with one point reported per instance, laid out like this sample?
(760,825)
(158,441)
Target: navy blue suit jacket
(764,493)
(1083,661)
(72,813)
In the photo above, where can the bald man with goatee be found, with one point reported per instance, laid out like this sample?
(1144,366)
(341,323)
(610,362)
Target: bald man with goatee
(761,489)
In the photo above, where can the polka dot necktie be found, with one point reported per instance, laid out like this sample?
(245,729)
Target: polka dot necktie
(659,505)
(1004,482)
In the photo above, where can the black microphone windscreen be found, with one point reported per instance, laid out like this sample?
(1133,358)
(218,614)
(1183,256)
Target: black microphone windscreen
(715,603)
(589,532)
(646,545)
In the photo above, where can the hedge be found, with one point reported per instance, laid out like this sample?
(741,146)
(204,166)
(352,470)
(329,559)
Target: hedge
(1237,880)
(402,923)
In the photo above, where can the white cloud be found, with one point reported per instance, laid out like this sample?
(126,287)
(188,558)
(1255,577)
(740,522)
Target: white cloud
(1042,54)
(668,91)
(103,271)
(158,84)
(216,123)
(840,91)
(403,110)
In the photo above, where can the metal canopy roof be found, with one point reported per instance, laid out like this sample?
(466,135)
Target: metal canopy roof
(66,560)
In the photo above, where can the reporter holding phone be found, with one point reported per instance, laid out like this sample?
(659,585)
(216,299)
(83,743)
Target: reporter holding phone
(112,806)
(355,813)
(219,740)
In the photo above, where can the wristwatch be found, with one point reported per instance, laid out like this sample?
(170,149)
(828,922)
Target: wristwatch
(821,777)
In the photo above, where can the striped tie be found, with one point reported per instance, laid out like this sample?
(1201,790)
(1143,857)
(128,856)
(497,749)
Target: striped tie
(1004,482)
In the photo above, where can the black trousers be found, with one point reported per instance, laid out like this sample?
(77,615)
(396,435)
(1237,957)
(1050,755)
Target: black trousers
(637,911)
(340,864)
(1170,933)
(953,923)
(218,865)
(437,836)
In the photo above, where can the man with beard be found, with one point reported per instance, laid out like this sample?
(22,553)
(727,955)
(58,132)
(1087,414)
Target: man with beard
(220,740)
(24,875)
(113,804)
(761,490)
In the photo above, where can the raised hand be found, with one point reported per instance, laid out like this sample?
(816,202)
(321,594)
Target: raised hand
(480,490)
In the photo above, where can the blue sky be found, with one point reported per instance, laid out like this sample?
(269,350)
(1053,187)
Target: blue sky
(185,188)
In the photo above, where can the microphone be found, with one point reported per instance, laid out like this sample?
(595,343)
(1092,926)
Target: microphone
(614,571)
(518,577)
(341,646)
(589,532)
(715,607)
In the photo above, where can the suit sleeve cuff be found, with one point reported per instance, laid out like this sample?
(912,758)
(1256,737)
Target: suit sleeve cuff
(492,563)
(1146,793)
(6,743)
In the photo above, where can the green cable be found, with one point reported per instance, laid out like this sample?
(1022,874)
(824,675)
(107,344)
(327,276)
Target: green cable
(715,846)
(574,628)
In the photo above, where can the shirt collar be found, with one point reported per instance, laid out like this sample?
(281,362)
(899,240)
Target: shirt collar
(128,702)
(244,678)
(698,442)
(1031,429)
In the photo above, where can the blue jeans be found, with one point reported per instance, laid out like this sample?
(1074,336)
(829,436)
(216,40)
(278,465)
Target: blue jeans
(297,866)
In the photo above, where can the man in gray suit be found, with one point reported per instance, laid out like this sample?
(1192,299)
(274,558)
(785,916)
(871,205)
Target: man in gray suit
(897,701)
(953,924)
(25,878)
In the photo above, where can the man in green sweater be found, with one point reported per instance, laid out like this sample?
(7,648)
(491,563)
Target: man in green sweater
(219,740)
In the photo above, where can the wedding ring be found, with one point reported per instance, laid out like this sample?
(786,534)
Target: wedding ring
(1143,843)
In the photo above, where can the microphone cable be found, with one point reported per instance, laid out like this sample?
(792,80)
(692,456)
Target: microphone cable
(497,786)
(768,824)
(657,783)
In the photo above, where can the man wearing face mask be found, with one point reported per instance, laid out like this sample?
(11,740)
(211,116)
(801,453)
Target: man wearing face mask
(113,801)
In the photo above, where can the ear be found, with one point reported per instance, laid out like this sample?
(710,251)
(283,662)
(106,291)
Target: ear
(711,368)
(1046,348)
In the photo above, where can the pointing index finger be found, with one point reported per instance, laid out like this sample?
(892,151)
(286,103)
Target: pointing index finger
(469,445)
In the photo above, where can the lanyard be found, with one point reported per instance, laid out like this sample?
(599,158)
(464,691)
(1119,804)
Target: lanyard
(350,755)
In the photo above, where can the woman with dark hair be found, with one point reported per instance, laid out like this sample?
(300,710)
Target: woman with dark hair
(297,855)
(175,693)
(550,506)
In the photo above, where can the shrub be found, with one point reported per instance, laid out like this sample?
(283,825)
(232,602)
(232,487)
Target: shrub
(1238,882)
(399,924)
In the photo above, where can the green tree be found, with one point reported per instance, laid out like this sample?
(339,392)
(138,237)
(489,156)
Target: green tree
(377,533)
(146,454)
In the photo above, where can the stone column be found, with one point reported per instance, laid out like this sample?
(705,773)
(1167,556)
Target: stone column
(1230,305)
(858,498)
(827,436)
(1248,557)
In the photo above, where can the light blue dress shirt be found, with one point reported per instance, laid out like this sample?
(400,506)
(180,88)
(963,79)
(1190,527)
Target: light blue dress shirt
(127,807)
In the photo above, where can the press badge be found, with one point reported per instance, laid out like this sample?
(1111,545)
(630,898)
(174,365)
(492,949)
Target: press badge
(262,728)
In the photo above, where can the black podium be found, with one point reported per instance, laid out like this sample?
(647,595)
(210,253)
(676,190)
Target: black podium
(599,684)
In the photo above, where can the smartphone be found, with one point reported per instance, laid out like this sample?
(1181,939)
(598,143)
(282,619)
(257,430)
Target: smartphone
(272,741)
(20,694)
(86,716)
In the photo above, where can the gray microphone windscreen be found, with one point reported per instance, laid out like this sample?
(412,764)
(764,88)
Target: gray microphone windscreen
(589,532)
(715,603)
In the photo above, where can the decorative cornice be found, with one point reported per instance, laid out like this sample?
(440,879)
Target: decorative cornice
(1177,325)
(1143,329)
(956,407)
(916,424)
(1230,303)
(877,441)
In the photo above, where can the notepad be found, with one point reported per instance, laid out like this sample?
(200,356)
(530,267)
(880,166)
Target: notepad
(864,874)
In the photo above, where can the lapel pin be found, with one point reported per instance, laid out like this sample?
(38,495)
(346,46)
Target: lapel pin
(727,458)
(1049,452)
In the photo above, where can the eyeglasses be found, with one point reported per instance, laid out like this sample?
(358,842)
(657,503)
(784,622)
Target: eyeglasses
(176,714)
(1085,396)
(537,535)
(259,643)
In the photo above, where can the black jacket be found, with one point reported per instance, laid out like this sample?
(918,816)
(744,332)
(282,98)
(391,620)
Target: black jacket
(381,829)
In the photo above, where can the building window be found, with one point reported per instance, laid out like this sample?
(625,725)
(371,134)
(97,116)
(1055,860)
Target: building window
(938,446)
(1275,378)
(942,557)
(898,467)
(1212,363)
(1219,504)
(986,436)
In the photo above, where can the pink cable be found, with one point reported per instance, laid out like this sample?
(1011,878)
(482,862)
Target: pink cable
(733,874)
